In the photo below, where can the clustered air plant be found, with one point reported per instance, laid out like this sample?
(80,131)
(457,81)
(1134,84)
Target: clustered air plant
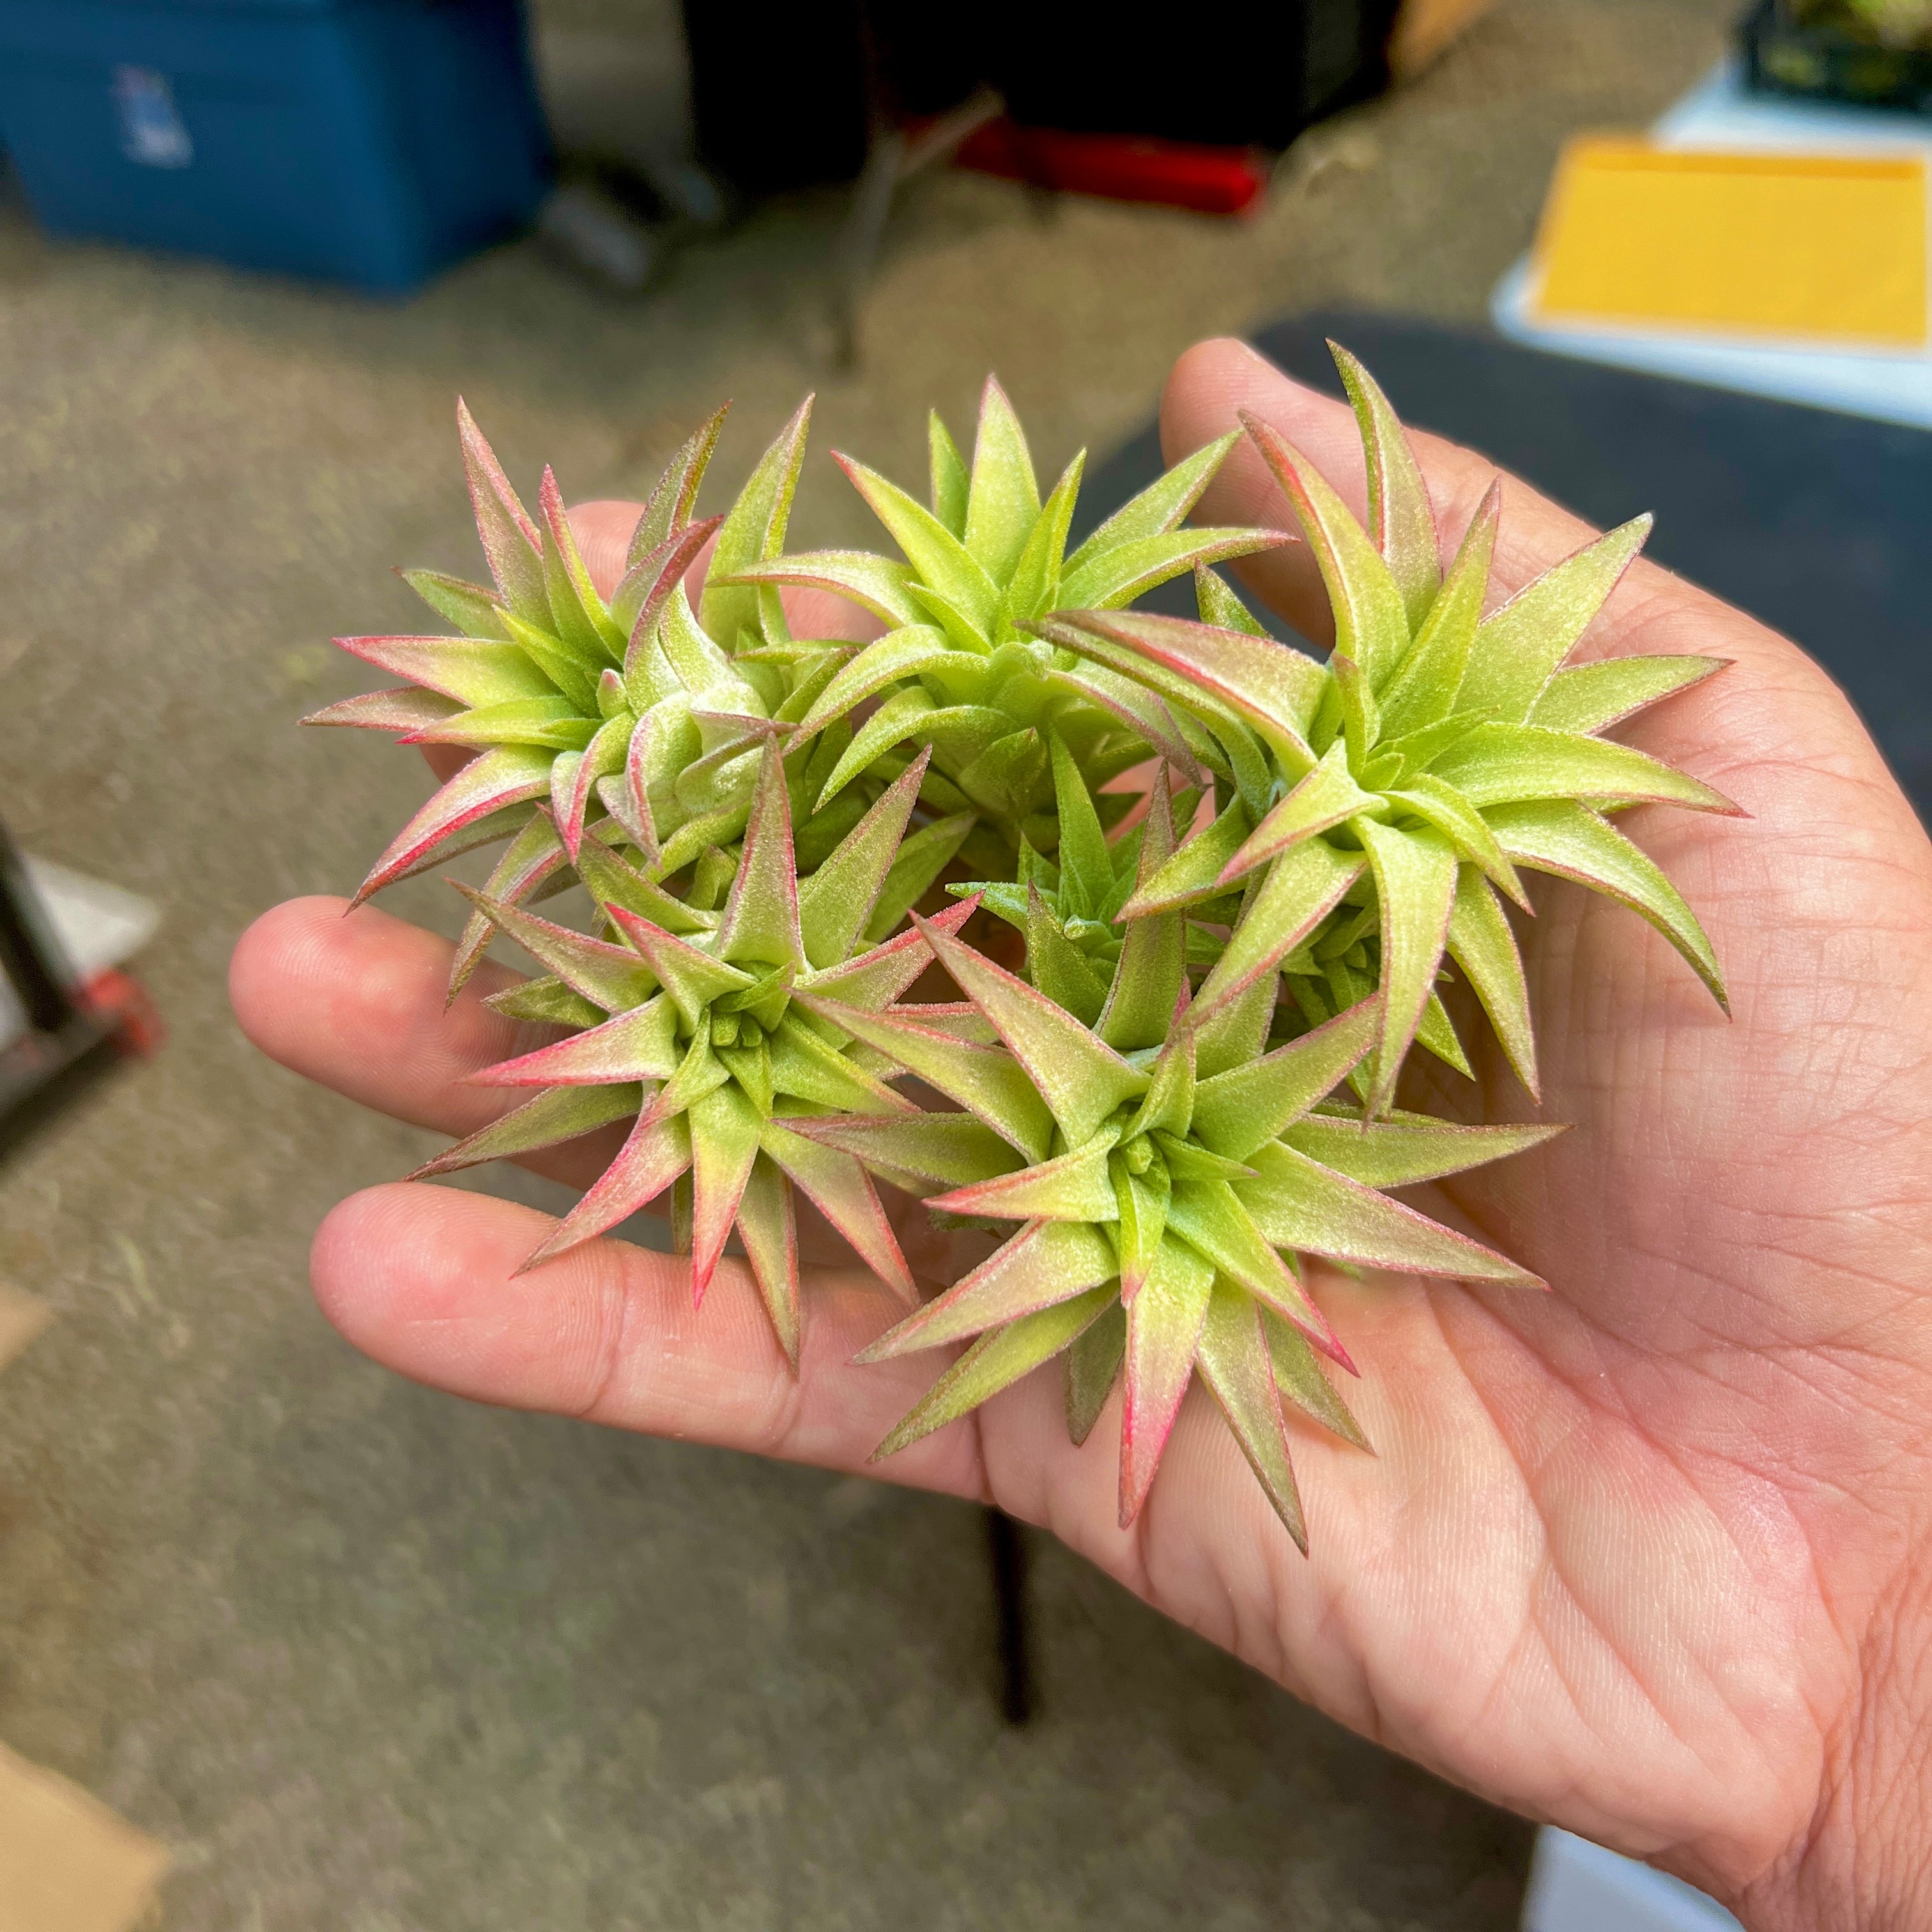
(1232,879)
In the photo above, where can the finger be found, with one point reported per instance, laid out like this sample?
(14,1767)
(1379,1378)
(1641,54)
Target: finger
(604,530)
(356,1003)
(419,1278)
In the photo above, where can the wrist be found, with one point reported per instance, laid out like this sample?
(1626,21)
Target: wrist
(1865,1863)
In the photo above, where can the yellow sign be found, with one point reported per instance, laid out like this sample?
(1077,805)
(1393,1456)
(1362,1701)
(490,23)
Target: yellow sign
(1828,249)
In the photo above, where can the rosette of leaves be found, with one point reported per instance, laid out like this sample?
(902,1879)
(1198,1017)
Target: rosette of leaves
(628,718)
(1168,1178)
(1069,909)
(956,672)
(1388,801)
(708,1033)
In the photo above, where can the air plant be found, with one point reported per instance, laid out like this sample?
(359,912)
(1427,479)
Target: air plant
(1196,892)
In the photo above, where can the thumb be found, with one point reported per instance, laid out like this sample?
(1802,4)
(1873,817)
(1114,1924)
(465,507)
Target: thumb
(603,529)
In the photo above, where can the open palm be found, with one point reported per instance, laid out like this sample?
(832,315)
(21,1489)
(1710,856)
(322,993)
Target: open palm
(1644,1555)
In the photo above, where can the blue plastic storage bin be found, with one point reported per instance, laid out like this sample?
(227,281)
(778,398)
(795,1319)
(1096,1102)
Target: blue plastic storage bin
(370,142)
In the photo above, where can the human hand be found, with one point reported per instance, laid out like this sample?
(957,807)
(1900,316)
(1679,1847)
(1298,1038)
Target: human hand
(1645,1556)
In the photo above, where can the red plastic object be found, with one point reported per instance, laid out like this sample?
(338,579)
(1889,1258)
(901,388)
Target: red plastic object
(1121,167)
(122,1002)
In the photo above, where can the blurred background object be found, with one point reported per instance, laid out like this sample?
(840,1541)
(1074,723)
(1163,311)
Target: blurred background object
(67,1011)
(1867,53)
(370,144)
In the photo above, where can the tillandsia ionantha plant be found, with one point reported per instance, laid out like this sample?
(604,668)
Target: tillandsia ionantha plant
(957,671)
(1233,878)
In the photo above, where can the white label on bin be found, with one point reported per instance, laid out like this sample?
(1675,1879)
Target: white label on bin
(152,132)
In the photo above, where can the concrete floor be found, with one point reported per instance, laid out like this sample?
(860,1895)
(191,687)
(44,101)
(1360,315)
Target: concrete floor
(370,1660)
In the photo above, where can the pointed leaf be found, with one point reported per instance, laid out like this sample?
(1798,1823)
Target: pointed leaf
(948,469)
(1164,1324)
(1074,1187)
(1093,1367)
(1081,1079)
(1519,647)
(668,511)
(405,709)
(1172,1093)
(939,560)
(656,1153)
(1328,796)
(760,924)
(1235,1032)
(1572,841)
(725,1128)
(1213,1218)
(1113,578)
(753,531)
(1408,1148)
(1483,946)
(908,652)
(769,1229)
(547,1001)
(646,589)
(909,713)
(578,614)
(1592,696)
(1152,967)
(1002,499)
(806,1068)
(616,978)
(547,1121)
(986,1080)
(1424,688)
(1511,764)
(1400,521)
(995,1362)
(1298,1203)
(1215,600)
(1035,578)
(476,612)
(1443,808)
(923,1153)
(1273,686)
(1057,966)
(1415,886)
(1233,1354)
(1161,506)
(834,903)
(641,1044)
(693,979)
(1298,1379)
(837,1185)
(1046,1263)
(1140,1203)
(473,670)
(1302,887)
(1194,872)
(611,881)
(1141,711)
(1237,1111)
(511,543)
(1086,865)
(874,583)
(1371,619)
(921,859)
(874,980)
